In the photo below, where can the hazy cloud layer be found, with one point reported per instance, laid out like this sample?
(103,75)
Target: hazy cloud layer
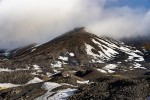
(28,21)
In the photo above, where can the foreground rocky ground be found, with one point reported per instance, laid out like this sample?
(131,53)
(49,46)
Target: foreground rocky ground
(74,83)
(114,89)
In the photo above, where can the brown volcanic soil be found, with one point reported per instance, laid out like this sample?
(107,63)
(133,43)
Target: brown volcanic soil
(147,46)
(16,77)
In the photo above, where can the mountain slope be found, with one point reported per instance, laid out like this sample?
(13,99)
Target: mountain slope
(82,47)
(23,50)
(140,42)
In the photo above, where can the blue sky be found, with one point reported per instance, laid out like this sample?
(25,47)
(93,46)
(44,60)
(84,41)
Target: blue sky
(130,3)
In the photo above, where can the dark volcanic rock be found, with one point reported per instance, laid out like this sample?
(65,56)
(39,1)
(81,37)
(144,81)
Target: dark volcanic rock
(109,89)
(17,77)
(27,92)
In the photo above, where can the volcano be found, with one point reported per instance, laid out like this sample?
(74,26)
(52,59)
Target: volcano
(81,47)
(78,61)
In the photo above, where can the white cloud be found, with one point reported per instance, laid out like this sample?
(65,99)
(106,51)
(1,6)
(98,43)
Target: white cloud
(27,21)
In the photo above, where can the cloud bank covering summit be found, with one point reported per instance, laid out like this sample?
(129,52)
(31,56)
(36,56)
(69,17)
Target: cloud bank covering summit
(36,21)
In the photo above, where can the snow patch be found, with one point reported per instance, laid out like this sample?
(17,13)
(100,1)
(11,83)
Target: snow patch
(110,45)
(134,55)
(9,70)
(110,67)
(107,51)
(62,94)
(63,58)
(33,49)
(8,85)
(36,67)
(34,73)
(58,95)
(89,52)
(102,71)
(119,62)
(56,71)
(49,74)
(57,64)
(50,85)
(35,80)
(71,54)
(137,65)
(110,71)
(5,70)
(96,61)
(83,82)
(7,53)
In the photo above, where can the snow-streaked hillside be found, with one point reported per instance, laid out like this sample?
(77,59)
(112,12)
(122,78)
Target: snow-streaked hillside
(81,46)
